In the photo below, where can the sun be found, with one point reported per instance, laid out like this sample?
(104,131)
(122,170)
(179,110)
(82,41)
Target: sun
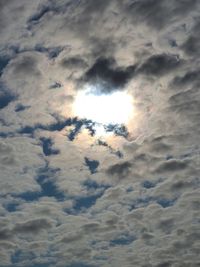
(112,108)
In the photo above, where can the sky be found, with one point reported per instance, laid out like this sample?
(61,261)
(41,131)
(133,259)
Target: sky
(99,133)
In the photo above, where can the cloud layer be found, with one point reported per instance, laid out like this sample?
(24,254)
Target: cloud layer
(69,198)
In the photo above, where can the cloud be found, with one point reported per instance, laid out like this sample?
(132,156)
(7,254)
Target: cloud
(192,44)
(190,77)
(172,165)
(70,197)
(158,14)
(27,65)
(73,63)
(32,226)
(108,77)
(158,65)
(120,169)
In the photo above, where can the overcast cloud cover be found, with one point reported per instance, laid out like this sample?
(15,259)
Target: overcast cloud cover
(68,198)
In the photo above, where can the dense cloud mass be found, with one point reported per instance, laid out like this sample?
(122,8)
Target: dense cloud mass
(107,77)
(69,197)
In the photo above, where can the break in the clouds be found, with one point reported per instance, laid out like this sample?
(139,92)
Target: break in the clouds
(78,193)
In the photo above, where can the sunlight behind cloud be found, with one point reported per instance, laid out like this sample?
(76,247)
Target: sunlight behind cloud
(114,108)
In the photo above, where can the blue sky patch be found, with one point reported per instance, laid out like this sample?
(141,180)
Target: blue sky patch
(119,130)
(47,144)
(122,240)
(52,52)
(85,202)
(5,96)
(11,207)
(4,60)
(166,203)
(148,184)
(80,264)
(20,108)
(92,165)
(47,184)
(91,184)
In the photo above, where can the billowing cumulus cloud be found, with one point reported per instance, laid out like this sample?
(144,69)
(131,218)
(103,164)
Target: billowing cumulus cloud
(74,193)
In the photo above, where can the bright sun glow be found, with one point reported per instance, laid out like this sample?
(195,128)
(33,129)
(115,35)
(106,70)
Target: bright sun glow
(115,108)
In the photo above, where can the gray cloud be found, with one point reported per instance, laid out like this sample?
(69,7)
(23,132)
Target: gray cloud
(172,165)
(73,63)
(32,226)
(190,78)
(119,169)
(141,206)
(158,14)
(107,76)
(26,66)
(192,44)
(158,65)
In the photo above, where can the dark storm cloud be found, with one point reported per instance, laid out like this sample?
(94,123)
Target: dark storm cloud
(108,76)
(160,64)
